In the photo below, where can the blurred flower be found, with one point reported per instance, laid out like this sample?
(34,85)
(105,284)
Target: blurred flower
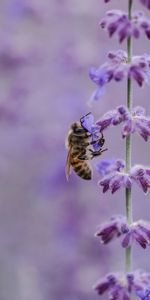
(11,60)
(105,166)
(117,21)
(24,8)
(100,77)
(118,68)
(146,3)
(136,121)
(120,286)
(144,295)
(116,178)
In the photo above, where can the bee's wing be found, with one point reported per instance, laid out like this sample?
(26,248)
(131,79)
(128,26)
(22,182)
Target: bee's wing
(68,164)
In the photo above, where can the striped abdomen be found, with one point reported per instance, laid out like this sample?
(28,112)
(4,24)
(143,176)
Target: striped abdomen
(81,167)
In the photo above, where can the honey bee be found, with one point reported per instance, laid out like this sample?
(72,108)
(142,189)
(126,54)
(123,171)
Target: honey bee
(80,150)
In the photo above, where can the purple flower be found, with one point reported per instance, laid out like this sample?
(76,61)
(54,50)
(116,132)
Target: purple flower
(100,77)
(117,21)
(112,229)
(119,286)
(136,121)
(117,178)
(106,166)
(117,226)
(106,283)
(87,122)
(141,176)
(117,68)
(109,118)
(146,3)
(140,232)
(144,295)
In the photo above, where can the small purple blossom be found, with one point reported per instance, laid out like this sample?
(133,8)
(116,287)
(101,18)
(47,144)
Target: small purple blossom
(140,175)
(119,286)
(87,122)
(140,232)
(117,226)
(105,166)
(115,179)
(117,68)
(112,229)
(117,21)
(136,121)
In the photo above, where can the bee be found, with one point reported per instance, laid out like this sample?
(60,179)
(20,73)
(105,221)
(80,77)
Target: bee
(80,150)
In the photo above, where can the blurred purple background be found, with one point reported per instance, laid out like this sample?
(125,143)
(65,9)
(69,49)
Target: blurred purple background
(48,250)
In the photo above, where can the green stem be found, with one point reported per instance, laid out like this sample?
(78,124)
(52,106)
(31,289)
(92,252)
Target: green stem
(128,195)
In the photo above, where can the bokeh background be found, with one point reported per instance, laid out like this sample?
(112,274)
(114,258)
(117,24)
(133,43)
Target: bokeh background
(47,246)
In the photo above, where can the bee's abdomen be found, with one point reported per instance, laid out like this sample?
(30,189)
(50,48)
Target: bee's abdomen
(82,169)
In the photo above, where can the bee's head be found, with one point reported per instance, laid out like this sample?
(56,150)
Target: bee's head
(77,128)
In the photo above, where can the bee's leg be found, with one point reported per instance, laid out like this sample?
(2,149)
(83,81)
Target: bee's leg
(102,135)
(83,155)
(97,153)
(81,119)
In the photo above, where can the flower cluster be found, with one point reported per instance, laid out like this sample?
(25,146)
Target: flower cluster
(118,226)
(134,121)
(117,21)
(119,286)
(115,178)
(116,173)
(117,68)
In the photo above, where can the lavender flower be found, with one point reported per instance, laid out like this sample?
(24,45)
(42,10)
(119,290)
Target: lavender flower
(119,286)
(105,166)
(141,176)
(118,68)
(117,21)
(115,179)
(136,121)
(117,226)
(112,229)
(140,232)
(87,122)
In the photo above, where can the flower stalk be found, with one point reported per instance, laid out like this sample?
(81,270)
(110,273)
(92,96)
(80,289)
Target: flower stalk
(128,194)
(117,173)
